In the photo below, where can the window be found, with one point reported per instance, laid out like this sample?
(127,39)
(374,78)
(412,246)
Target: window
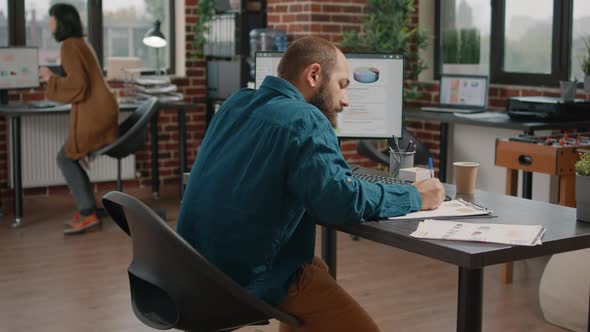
(465,31)
(528,26)
(529,42)
(580,32)
(113,27)
(3,23)
(125,23)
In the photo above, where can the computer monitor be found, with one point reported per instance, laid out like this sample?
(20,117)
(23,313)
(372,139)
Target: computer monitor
(19,67)
(375,93)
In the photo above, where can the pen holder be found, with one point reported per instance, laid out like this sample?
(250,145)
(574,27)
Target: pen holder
(398,160)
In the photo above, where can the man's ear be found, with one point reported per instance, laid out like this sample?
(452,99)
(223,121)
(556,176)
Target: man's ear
(313,75)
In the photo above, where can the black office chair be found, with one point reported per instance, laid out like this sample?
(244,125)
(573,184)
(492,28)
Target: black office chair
(173,286)
(132,135)
(368,150)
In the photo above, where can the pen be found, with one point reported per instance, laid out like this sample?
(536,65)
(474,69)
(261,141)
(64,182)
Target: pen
(395,144)
(430,167)
(409,147)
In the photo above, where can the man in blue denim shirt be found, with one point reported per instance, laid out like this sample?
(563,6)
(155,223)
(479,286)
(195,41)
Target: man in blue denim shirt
(269,167)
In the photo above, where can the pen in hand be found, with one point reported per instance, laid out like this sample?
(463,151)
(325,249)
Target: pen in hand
(430,167)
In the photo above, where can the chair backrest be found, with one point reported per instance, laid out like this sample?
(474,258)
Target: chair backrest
(173,286)
(132,131)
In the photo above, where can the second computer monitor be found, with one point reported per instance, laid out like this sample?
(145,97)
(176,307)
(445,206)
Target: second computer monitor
(375,93)
(19,67)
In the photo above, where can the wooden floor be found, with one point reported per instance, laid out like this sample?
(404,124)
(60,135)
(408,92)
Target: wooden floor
(49,282)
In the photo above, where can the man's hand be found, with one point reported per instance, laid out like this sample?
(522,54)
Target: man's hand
(432,193)
(45,73)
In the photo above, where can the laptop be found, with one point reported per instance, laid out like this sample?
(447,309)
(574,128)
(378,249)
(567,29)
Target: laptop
(462,94)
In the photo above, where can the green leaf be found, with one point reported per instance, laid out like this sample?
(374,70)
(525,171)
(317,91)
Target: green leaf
(583,165)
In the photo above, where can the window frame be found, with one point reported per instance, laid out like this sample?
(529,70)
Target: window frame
(560,47)
(17,29)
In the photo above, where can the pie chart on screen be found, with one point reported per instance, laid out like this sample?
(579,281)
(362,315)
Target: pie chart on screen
(366,74)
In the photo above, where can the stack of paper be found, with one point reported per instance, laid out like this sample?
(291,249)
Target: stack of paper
(158,86)
(452,209)
(523,235)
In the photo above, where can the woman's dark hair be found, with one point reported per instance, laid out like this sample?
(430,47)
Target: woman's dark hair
(67,19)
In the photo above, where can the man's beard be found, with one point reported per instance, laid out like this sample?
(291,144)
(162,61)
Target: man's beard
(321,101)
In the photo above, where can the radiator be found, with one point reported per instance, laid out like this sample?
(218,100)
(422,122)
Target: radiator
(42,136)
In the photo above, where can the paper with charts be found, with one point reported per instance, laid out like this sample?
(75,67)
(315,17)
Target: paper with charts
(522,235)
(447,210)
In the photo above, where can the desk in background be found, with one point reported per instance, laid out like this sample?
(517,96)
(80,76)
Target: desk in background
(563,234)
(16,111)
(527,127)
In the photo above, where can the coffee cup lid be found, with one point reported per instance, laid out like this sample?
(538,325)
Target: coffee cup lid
(466,164)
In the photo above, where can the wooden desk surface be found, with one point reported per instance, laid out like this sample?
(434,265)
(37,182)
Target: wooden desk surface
(563,233)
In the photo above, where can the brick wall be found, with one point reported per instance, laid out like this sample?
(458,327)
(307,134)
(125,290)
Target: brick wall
(193,88)
(326,19)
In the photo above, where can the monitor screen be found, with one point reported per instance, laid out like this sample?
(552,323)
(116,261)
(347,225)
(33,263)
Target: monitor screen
(375,93)
(463,90)
(19,67)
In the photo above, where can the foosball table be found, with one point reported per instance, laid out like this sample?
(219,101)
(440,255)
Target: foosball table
(554,155)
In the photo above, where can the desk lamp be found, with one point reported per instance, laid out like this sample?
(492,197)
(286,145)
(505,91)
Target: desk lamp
(154,38)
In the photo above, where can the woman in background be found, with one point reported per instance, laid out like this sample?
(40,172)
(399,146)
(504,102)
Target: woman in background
(94,115)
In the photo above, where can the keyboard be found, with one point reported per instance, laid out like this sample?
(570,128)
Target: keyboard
(360,174)
(365,175)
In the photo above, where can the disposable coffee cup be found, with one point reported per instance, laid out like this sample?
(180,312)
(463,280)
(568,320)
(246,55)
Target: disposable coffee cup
(398,160)
(465,176)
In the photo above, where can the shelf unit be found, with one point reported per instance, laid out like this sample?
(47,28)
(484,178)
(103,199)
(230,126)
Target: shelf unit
(229,71)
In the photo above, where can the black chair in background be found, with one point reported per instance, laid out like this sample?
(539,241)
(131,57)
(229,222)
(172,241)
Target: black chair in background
(132,135)
(173,286)
(368,150)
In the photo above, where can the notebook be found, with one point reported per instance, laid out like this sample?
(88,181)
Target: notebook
(462,94)
(454,209)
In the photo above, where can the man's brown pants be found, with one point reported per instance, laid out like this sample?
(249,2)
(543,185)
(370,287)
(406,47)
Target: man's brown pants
(322,305)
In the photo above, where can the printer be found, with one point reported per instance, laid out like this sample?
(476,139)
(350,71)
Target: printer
(548,108)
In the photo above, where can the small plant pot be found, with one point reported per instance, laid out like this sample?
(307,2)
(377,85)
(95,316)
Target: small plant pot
(583,198)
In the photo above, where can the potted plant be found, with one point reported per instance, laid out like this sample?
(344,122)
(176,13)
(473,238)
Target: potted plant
(206,11)
(583,187)
(585,64)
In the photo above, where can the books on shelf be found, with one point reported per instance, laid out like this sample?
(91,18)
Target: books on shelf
(523,235)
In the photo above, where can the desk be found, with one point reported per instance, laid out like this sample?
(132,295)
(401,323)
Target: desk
(16,111)
(527,127)
(563,234)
